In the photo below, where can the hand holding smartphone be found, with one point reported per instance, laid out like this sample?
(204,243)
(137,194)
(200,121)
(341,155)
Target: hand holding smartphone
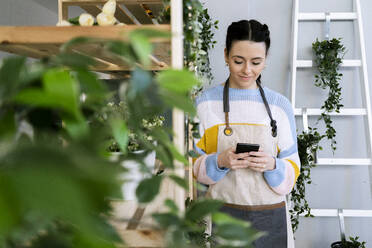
(247,147)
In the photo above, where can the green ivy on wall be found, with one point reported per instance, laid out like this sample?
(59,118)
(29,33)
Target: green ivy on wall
(328,57)
(198,38)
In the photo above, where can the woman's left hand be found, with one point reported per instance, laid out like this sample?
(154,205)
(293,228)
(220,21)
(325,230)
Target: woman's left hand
(260,161)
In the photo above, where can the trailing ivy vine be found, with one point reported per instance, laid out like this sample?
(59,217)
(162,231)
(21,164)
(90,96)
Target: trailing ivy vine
(308,145)
(198,38)
(328,57)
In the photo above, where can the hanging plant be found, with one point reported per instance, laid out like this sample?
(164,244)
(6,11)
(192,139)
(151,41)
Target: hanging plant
(353,243)
(308,145)
(198,39)
(328,58)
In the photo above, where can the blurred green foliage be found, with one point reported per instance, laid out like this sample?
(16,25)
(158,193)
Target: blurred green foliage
(56,179)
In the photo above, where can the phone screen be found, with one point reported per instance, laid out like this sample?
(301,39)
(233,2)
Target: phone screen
(247,147)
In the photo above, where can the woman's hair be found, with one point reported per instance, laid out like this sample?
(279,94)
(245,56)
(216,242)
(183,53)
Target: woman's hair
(251,30)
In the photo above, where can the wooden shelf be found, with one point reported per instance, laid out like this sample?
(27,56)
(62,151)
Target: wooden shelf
(39,42)
(128,11)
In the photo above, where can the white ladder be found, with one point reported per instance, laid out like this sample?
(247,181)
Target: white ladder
(365,112)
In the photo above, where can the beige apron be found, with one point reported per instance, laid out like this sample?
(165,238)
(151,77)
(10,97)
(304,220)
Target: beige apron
(244,186)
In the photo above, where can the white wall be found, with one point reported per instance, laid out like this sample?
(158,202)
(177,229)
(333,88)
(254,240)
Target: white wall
(333,186)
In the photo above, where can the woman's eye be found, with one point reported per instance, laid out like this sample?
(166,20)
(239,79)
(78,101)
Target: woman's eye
(238,62)
(256,63)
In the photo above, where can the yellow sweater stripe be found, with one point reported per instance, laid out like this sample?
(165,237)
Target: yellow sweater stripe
(296,169)
(208,142)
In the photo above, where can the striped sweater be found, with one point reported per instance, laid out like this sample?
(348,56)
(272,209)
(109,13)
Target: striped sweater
(246,107)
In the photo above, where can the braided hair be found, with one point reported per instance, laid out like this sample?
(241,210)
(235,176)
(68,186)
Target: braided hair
(247,30)
(251,30)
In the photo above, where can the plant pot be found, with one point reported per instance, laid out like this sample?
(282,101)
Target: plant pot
(134,175)
(341,244)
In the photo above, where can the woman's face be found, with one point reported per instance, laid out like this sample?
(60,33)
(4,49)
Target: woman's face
(246,61)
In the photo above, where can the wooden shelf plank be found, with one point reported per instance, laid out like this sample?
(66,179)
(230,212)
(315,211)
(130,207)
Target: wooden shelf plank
(60,35)
(39,42)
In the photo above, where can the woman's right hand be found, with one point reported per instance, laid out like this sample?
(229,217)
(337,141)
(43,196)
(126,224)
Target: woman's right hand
(229,159)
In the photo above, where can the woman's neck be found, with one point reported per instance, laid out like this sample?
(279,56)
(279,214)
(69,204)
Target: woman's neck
(251,86)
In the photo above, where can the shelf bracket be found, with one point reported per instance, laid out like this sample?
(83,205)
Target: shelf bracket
(340,213)
(327,25)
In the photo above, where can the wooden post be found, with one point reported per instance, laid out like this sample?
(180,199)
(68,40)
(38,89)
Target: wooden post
(178,115)
(62,11)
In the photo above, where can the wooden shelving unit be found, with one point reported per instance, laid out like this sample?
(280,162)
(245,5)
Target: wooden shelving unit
(39,42)
(128,11)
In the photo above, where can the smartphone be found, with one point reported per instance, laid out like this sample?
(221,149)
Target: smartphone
(246,147)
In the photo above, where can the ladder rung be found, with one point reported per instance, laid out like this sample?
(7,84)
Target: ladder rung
(344,161)
(319,16)
(345,63)
(346,213)
(343,112)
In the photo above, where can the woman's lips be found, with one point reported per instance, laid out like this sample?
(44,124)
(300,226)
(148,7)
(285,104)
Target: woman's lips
(246,78)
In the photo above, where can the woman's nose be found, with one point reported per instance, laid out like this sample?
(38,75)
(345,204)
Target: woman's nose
(247,68)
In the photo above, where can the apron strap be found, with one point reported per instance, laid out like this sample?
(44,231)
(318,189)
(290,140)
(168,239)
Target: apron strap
(274,128)
(226,108)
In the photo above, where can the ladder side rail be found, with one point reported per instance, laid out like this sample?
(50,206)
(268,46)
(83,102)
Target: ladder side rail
(294,52)
(364,74)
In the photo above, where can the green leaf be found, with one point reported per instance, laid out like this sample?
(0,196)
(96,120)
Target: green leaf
(60,91)
(151,33)
(74,60)
(180,181)
(177,81)
(179,101)
(171,205)
(164,156)
(10,209)
(141,46)
(89,82)
(140,81)
(74,21)
(178,156)
(79,41)
(124,50)
(200,209)
(10,72)
(166,219)
(77,128)
(193,154)
(120,133)
(230,228)
(7,124)
(148,189)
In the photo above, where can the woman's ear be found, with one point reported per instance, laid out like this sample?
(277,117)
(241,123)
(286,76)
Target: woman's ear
(226,56)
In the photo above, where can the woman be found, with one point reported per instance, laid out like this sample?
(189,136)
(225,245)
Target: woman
(252,185)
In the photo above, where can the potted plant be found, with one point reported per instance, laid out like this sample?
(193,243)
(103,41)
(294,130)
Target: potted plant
(137,170)
(352,243)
